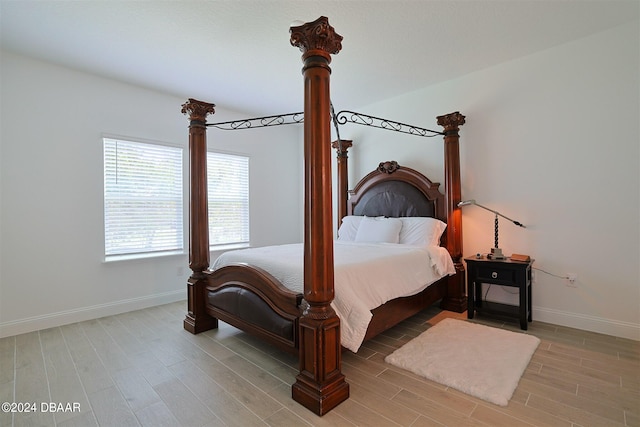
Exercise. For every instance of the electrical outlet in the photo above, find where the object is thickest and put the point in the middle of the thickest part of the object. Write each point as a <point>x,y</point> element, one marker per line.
<point>571,280</point>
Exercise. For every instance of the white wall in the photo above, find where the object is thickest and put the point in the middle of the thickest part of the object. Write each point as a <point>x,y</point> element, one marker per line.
<point>51,263</point>
<point>551,140</point>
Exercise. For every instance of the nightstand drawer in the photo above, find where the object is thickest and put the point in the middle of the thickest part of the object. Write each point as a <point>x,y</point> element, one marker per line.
<point>495,274</point>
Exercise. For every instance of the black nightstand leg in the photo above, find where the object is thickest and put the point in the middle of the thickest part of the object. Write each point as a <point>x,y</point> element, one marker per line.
<point>529,287</point>
<point>524,300</point>
<point>530,318</point>
<point>470,299</point>
<point>478,287</point>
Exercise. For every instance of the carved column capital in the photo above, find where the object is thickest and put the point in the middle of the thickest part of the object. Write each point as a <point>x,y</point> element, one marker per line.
<point>451,122</point>
<point>197,110</point>
<point>316,38</point>
<point>341,146</point>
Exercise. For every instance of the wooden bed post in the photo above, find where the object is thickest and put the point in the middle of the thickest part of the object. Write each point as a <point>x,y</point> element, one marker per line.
<point>456,299</point>
<point>341,146</point>
<point>197,320</point>
<point>320,386</point>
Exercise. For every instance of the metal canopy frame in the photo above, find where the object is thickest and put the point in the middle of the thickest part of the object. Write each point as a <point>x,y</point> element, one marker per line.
<point>341,118</point>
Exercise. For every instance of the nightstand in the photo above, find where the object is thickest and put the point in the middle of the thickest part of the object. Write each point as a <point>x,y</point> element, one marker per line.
<point>503,272</point>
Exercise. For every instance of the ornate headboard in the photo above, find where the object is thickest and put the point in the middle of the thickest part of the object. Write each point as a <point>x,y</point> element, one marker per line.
<point>396,191</point>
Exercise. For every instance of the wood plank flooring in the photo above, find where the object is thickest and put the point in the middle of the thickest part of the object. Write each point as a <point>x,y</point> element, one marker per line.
<point>142,369</point>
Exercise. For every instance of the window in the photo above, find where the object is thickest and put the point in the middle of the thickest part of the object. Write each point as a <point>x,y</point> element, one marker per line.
<point>143,205</point>
<point>228,186</point>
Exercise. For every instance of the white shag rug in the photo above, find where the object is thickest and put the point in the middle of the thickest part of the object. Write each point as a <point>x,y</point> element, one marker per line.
<point>479,360</point>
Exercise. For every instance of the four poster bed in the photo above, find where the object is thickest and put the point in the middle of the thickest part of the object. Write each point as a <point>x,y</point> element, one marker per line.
<point>246,291</point>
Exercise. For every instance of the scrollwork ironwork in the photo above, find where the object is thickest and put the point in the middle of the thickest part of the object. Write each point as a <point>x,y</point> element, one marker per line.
<point>341,118</point>
<point>346,116</point>
<point>260,122</point>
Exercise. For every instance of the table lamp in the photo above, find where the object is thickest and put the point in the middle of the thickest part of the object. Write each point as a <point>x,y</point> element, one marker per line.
<point>496,252</point>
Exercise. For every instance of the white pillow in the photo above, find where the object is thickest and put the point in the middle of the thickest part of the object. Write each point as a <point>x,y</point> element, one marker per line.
<point>423,231</point>
<point>379,230</point>
<point>349,227</point>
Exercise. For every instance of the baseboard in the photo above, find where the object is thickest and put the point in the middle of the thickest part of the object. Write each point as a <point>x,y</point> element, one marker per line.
<point>587,323</point>
<point>36,323</point>
<point>584,322</point>
<point>547,315</point>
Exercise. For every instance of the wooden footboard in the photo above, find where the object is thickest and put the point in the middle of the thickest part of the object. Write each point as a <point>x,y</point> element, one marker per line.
<point>250,299</point>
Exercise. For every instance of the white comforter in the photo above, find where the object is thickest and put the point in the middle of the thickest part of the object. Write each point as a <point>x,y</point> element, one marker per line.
<point>366,276</point>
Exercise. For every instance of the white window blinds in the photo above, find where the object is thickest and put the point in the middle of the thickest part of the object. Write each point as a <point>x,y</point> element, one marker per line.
<point>228,186</point>
<point>143,205</point>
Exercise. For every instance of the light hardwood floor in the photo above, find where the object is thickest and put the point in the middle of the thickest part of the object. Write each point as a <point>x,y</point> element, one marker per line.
<point>142,368</point>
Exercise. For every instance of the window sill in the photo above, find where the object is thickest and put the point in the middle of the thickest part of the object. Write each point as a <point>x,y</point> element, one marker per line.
<point>129,257</point>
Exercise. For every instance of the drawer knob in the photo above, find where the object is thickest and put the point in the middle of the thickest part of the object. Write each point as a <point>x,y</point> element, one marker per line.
<point>494,275</point>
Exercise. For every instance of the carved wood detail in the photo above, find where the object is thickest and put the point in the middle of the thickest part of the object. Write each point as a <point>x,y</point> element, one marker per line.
<point>317,37</point>
<point>388,167</point>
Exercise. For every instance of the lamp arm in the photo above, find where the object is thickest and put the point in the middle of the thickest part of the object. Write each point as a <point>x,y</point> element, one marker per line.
<point>519,224</point>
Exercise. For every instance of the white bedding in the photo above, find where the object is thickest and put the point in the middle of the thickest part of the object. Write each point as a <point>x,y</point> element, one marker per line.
<point>366,276</point>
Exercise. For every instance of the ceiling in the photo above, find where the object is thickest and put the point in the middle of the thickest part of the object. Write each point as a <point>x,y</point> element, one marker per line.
<point>237,54</point>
